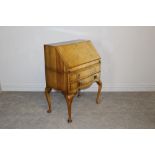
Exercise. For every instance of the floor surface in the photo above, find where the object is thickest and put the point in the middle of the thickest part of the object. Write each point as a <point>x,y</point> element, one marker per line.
<point>27,110</point>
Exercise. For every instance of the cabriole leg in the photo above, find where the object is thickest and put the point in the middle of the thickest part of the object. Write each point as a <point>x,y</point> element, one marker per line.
<point>69,99</point>
<point>48,97</point>
<point>79,93</point>
<point>99,91</point>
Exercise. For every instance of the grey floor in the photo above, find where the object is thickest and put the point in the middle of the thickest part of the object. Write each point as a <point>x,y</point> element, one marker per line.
<point>27,110</point>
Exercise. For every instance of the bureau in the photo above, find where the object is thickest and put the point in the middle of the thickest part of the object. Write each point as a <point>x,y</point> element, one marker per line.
<point>69,67</point>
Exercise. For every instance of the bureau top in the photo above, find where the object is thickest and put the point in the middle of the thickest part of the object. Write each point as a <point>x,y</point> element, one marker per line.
<point>66,42</point>
<point>73,53</point>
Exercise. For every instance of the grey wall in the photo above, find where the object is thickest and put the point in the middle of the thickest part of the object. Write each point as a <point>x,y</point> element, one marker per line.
<point>128,56</point>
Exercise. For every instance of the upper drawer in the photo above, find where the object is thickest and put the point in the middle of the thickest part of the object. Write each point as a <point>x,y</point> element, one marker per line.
<point>83,73</point>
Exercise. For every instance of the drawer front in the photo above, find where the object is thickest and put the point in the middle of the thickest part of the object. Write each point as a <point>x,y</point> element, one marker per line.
<point>84,83</point>
<point>84,73</point>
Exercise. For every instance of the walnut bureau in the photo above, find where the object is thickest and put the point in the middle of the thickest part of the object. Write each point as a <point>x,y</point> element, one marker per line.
<point>70,67</point>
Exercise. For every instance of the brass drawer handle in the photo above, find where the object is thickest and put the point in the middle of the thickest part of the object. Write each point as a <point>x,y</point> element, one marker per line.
<point>95,77</point>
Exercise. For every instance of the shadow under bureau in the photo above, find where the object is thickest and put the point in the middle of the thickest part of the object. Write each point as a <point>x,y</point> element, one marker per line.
<point>70,67</point>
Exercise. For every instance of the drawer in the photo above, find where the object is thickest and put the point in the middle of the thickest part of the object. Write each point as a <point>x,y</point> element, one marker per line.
<point>83,73</point>
<point>84,83</point>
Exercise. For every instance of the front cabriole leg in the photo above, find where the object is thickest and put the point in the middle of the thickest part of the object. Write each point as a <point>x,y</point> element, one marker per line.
<point>99,91</point>
<point>48,97</point>
<point>69,99</point>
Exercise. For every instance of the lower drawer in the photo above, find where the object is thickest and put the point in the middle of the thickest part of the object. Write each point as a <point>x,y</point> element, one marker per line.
<point>84,83</point>
<point>84,73</point>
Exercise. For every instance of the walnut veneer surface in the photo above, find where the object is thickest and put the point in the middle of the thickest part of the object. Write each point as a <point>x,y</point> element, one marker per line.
<point>70,67</point>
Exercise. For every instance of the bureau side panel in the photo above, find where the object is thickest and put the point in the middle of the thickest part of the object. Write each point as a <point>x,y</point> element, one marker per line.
<point>56,76</point>
<point>50,66</point>
<point>61,73</point>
